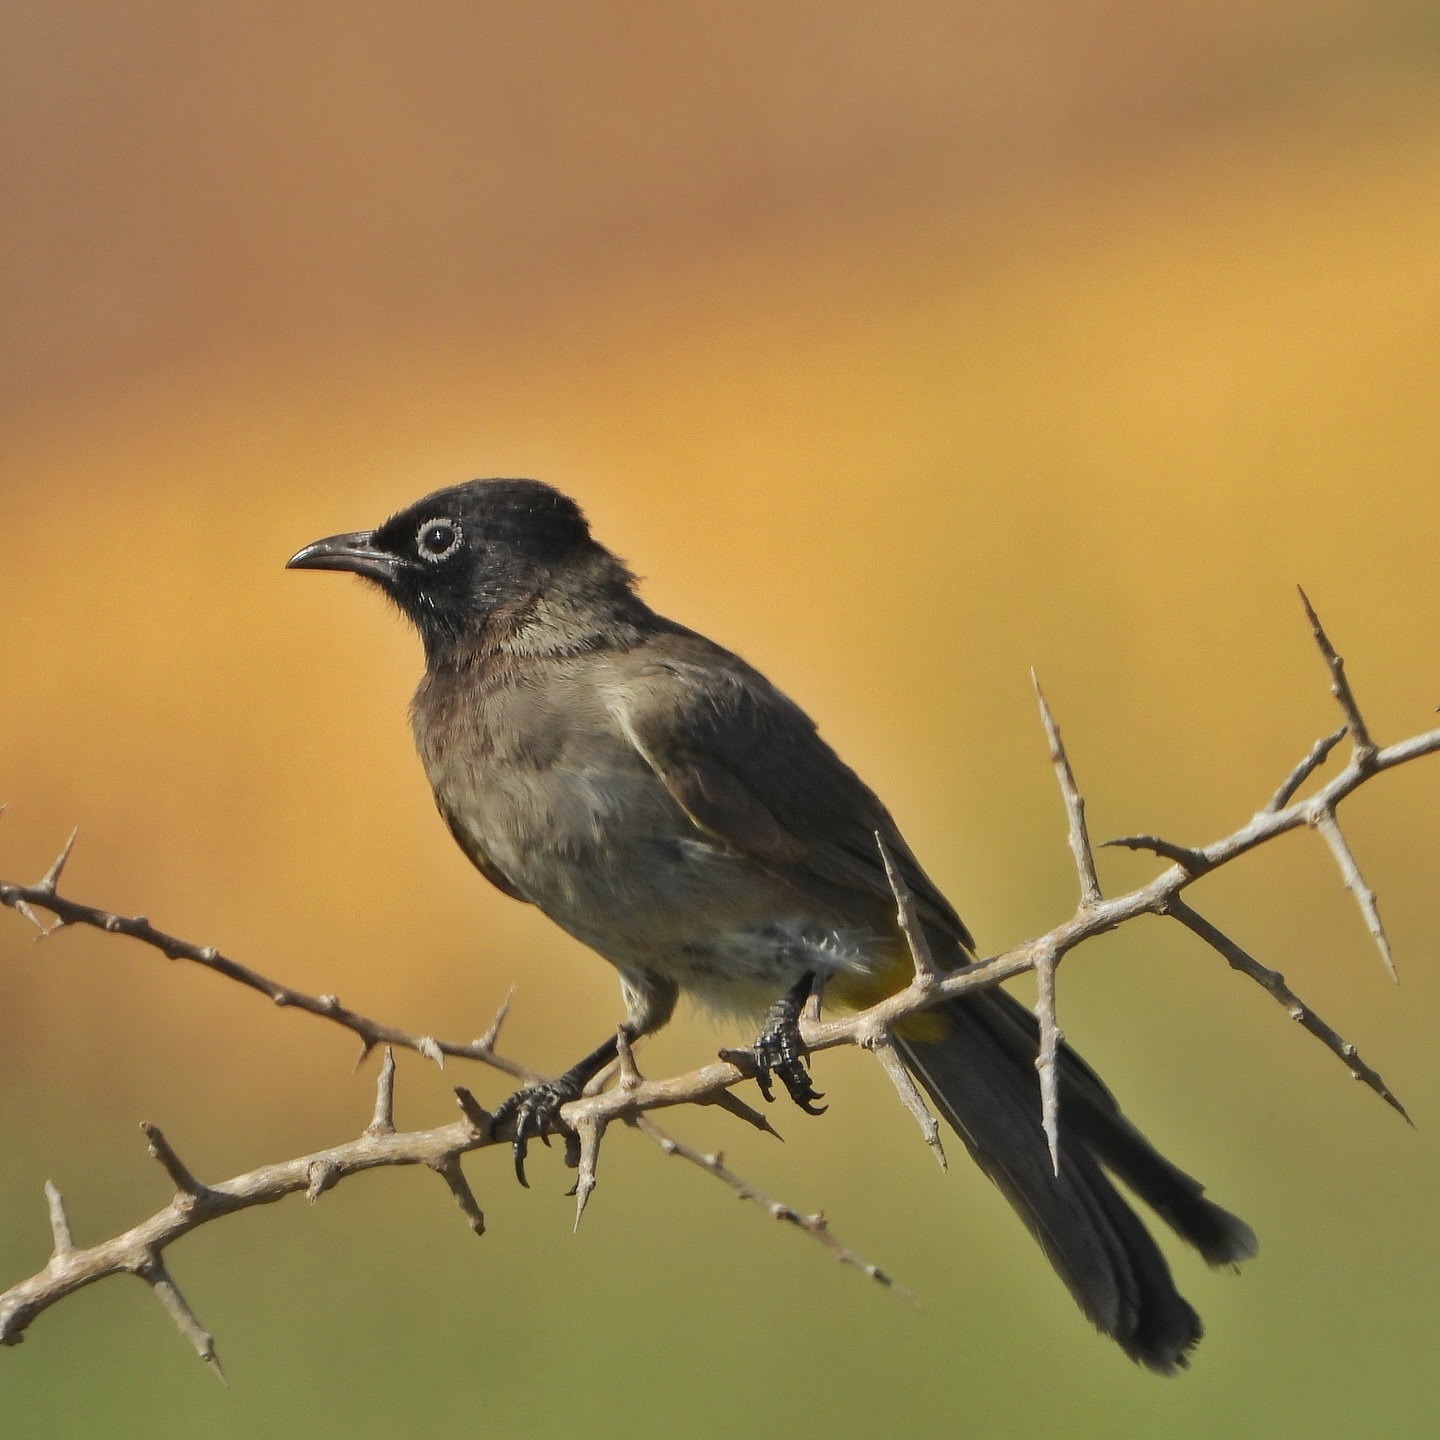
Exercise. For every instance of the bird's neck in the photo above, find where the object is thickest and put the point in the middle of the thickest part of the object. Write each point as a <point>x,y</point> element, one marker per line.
<point>584,607</point>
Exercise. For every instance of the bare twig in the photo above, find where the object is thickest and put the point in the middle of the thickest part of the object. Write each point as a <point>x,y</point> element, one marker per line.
<point>814,1225</point>
<point>1319,754</point>
<point>137,1251</point>
<point>1362,746</point>
<point>1191,861</point>
<point>23,899</point>
<point>1074,803</point>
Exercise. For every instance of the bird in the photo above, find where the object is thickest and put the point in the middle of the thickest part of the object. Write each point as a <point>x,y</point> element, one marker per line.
<point>668,806</point>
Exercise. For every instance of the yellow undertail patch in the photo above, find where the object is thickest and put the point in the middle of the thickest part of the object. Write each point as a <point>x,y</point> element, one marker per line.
<point>854,991</point>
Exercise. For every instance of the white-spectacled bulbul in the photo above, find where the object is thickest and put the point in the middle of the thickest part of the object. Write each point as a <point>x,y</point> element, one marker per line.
<point>665,804</point>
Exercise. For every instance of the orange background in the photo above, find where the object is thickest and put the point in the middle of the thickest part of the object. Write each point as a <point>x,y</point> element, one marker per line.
<point>899,347</point>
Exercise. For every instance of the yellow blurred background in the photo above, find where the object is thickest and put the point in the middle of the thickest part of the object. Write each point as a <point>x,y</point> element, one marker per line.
<point>900,347</point>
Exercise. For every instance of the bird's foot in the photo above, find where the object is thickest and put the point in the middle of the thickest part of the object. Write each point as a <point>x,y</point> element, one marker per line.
<point>535,1110</point>
<point>780,1050</point>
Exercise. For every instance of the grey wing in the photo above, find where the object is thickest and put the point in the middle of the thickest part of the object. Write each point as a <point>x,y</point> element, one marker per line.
<point>749,767</point>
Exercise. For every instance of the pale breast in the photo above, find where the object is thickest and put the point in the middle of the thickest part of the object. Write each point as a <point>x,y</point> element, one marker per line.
<point>548,796</point>
<point>537,780</point>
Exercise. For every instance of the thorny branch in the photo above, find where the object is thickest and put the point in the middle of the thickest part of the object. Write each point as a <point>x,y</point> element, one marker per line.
<point>629,1097</point>
<point>43,894</point>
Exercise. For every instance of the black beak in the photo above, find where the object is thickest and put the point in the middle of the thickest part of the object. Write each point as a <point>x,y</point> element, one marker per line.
<point>356,552</point>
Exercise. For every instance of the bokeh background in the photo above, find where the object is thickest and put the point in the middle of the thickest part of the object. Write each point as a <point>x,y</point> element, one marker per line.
<point>900,346</point>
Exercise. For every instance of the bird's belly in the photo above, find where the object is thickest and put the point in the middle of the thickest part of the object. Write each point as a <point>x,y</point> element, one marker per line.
<point>611,859</point>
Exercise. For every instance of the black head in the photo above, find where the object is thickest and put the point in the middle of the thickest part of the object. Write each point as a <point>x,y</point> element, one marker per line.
<point>467,554</point>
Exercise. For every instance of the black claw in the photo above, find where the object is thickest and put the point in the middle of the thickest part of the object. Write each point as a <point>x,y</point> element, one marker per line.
<point>535,1110</point>
<point>780,1051</point>
<point>518,1109</point>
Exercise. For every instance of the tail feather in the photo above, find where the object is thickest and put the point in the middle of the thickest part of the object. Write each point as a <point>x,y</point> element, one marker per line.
<point>1092,1114</point>
<point>982,1078</point>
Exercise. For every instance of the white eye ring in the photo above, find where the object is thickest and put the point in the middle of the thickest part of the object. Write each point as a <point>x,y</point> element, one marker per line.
<point>440,522</point>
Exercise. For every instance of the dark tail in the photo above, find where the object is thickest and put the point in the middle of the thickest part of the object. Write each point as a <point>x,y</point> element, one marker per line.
<point>982,1078</point>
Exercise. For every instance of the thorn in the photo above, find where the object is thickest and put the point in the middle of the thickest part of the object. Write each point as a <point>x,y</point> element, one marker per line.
<point>1329,828</point>
<point>1090,895</point>
<point>366,1046</point>
<point>157,1277</point>
<point>882,1047</point>
<point>383,1121</point>
<point>429,1047</point>
<point>630,1077</point>
<point>163,1151</point>
<point>1193,862</point>
<point>1273,983</point>
<point>22,907</point>
<point>926,973</point>
<point>450,1172</point>
<point>589,1132</point>
<point>1362,746</point>
<point>728,1101</point>
<point>742,1060</point>
<point>479,1117</point>
<point>59,1222</point>
<point>53,874</point>
<point>1319,753</point>
<point>1046,1060</point>
<point>487,1041</point>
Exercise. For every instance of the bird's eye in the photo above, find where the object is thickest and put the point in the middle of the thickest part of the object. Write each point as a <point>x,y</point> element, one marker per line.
<point>438,539</point>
